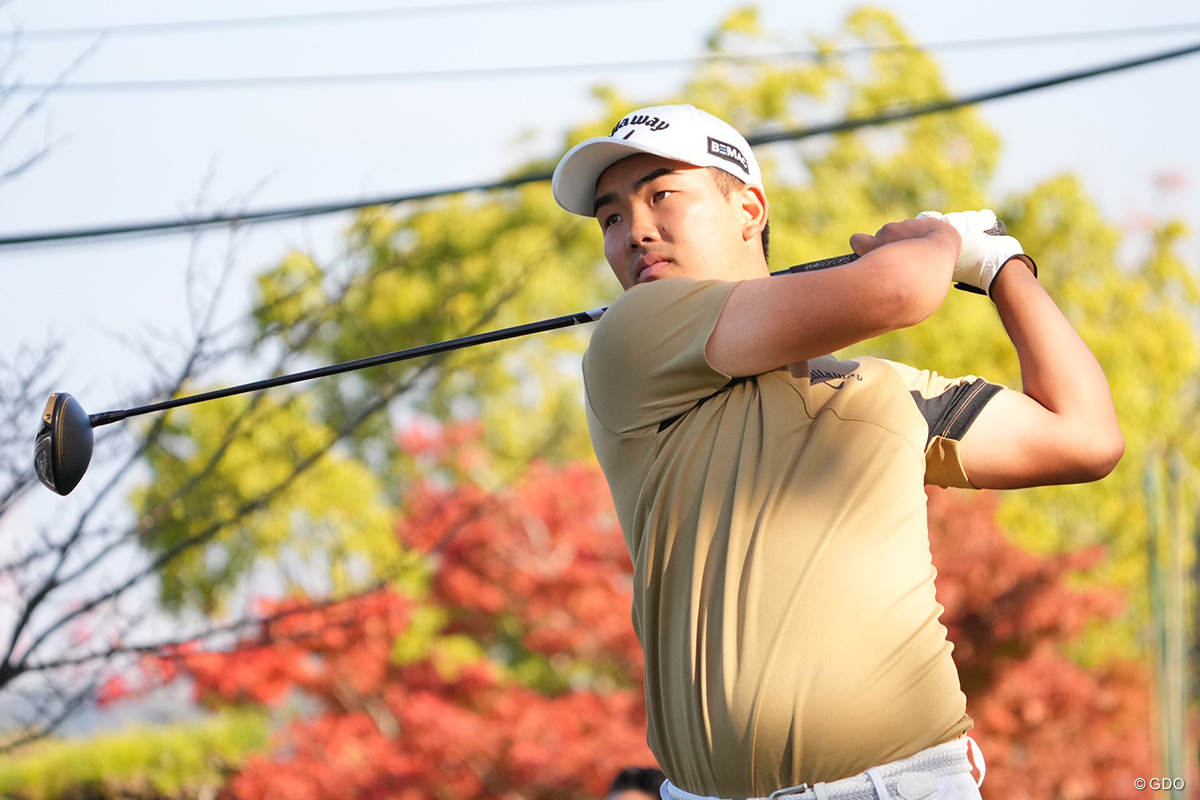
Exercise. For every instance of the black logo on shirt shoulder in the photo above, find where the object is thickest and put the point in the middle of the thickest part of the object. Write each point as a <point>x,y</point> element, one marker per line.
<point>835,380</point>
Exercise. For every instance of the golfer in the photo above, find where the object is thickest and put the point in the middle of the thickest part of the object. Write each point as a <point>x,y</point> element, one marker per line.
<point>772,494</point>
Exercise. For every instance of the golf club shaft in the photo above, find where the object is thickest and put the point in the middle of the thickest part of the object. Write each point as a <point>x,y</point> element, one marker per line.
<point>566,321</point>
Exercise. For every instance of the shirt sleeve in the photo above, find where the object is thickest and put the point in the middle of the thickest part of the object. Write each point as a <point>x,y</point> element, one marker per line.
<point>645,363</point>
<point>950,406</point>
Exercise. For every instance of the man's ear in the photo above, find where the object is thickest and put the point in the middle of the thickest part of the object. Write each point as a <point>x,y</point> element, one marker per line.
<point>754,211</point>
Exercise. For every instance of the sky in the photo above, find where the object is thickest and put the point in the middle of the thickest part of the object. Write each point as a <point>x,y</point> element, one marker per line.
<point>121,157</point>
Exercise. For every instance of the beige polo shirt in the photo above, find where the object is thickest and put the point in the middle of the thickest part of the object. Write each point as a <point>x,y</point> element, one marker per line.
<point>784,590</point>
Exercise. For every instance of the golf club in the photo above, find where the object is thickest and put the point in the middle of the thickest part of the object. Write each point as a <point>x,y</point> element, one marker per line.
<point>63,444</point>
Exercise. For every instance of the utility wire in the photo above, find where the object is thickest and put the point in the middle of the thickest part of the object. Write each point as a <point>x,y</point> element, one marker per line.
<point>297,212</point>
<point>354,15</point>
<point>315,17</point>
<point>495,73</point>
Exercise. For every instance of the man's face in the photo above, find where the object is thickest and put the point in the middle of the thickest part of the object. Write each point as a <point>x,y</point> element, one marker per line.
<point>663,218</point>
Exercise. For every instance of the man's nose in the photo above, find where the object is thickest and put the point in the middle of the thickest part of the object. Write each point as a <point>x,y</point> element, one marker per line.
<point>643,227</point>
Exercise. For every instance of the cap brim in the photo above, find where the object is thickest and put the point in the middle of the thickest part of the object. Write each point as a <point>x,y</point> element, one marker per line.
<point>574,183</point>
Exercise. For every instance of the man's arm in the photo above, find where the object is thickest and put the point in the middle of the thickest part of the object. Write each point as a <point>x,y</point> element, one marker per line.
<point>1062,428</point>
<point>901,279</point>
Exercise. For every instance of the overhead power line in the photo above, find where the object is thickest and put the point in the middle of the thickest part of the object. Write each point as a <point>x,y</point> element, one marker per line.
<point>426,74</point>
<point>370,14</point>
<point>297,212</point>
<point>310,18</point>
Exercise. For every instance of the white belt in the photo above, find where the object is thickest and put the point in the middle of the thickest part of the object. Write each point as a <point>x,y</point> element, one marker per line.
<point>876,783</point>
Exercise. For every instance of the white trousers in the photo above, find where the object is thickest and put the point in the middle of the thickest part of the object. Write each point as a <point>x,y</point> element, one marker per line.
<point>942,772</point>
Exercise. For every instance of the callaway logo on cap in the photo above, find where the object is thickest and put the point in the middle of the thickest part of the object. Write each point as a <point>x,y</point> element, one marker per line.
<point>681,133</point>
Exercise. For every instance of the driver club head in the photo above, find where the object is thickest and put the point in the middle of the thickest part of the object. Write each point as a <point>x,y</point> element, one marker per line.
<point>62,448</point>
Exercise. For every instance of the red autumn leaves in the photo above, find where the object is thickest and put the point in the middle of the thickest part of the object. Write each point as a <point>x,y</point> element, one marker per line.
<point>528,683</point>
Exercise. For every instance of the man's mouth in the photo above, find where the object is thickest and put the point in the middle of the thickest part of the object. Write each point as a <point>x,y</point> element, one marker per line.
<point>648,268</point>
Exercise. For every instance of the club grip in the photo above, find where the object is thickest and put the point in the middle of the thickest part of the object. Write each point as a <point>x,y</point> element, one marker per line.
<point>998,229</point>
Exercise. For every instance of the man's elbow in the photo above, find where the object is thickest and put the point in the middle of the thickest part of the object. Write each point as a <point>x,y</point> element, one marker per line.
<point>905,282</point>
<point>1100,456</point>
<point>914,301</point>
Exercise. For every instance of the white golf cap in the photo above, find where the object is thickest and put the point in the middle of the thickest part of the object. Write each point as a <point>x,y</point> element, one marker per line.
<point>681,133</point>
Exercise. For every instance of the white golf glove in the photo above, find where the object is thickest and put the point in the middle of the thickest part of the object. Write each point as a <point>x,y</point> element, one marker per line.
<point>985,249</point>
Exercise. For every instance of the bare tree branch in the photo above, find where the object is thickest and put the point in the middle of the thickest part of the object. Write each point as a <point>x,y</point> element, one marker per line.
<point>31,109</point>
<point>206,534</point>
<point>79,577</point>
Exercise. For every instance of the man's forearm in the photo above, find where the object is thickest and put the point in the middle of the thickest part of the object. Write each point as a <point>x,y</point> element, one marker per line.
<point>1058,370</point>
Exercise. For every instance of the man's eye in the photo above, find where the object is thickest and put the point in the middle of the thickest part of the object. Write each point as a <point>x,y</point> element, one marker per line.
<point>610,220</point>
<point>662,194</point>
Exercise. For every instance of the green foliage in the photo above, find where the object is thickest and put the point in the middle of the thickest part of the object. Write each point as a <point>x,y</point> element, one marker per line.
<point>206,505</point>
<point>180,761</point>
<point>743,20</point>
<point>521,665</point>
<point>1138,320</point>
<point>223,495</point>
<point>452,267</point>
<point>449,269</point>
<point>1138,317</point>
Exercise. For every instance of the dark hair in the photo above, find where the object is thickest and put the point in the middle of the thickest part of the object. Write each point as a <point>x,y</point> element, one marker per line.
<point>727,182</point>
<point>646,779</point>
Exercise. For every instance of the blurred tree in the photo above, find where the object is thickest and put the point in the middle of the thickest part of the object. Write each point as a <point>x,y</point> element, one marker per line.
<point>1130,315</point>
<point>309,475</point>
<point>1048,728</point>
<point>69,612</point>
<point>451,267</point>
<point>1133,306</point>
<point>73,586</point>
<point>507,667</point>
<point>150,762</point>
<point>455,266</point>
<point>297,492</point>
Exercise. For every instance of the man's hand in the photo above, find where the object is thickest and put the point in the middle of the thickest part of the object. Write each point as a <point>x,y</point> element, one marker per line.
<point>918,227</point>
<point>983,254</point>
